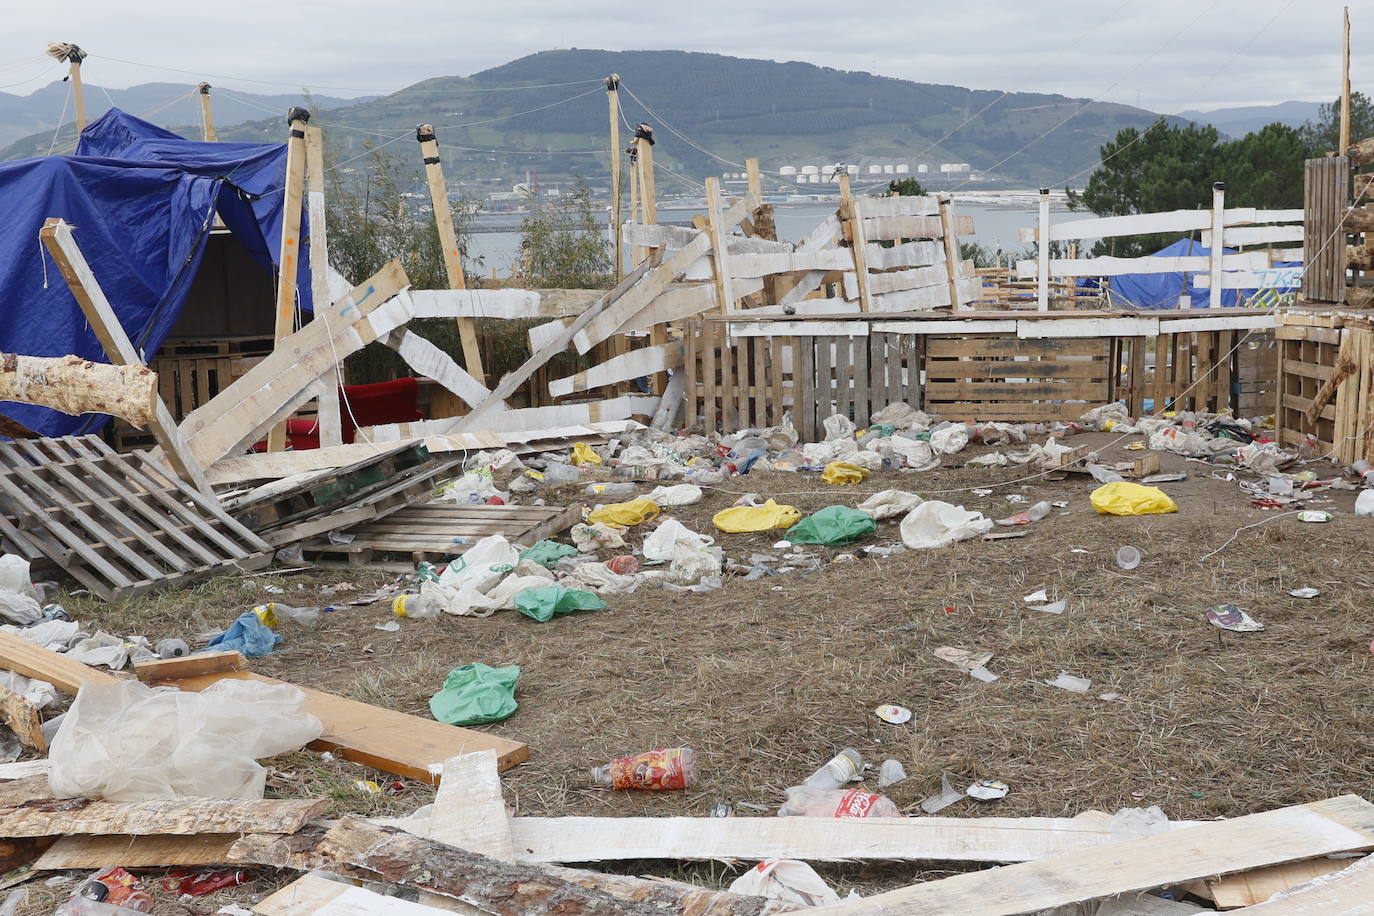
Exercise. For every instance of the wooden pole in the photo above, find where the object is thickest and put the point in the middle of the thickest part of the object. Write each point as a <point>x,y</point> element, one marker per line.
<point>73,55</point>
<point>448,239</point>
<point>207,121</point>
<point>854,230</point>
<point>75,386</point>
<point>751,167</point>
<point>288,251</point>
<point>613,99</point>
<point>725,299</point>
<point>648,202</point>
<point>1218,244</point>
<point>949,233</point>
<point>327,411</point>
<point>57,238</point>
<point>1345,88</point>
<point>1042,273</point>
<point>637,253</point>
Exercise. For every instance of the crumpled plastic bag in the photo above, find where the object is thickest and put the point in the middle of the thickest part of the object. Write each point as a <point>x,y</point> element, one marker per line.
<point>129,742</point>
<point>1126,498</point>
<point>482,565</point>
<point>582,454</point>
<point>787,880</point>
<point>838,426</point>
<point>1265,457</point>
<point>57,635</point>
<point>898,414</point>
<point>1106,417</point>
<point>600,578</point>
<point>939,524</point>
<point>247,635</point>
<point>949,440</point>
<point>831,526</point>
<point>781,437</point>
<point>915,453</point>
<point>842,472</point>
<point>473,487</point>
<point>501,459</point>
<point>19,609</point>
<point>991,459</point>
<point>40,693</point>
<point>18,600</point>
<point>547,553</point>
<point>111,651</point>
<point>590,538</point>
<point>739,519</point>
<point>887,503</point>
<point>543,603</point>
<point>669,537</point>
<point>865,458</point>
<point>682,494</point>
<point>690,556</point>
<point>626,514</point>
<point>476,694</point>
<point>822,453</point>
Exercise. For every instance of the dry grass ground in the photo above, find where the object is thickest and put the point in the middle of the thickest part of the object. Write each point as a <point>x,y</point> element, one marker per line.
<point>768,678</point>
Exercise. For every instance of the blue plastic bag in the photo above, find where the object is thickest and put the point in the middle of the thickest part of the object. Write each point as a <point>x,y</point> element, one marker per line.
<point>246,635</point>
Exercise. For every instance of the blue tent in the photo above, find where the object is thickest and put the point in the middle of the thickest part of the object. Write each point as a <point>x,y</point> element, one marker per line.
<point>1162,291</point>
<point>142,202</point>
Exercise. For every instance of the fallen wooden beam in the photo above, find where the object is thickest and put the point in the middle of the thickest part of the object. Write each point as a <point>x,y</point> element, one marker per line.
<point>23,657</point>
<point>1328,389</point>
<point>1252,887</point>
<point>75,386</point>
<point>185,816</point>
<point>1341,824</point>
<point>382,738</point>
<point>137,851</point>
<point>1343,893</point>
<point>164,669</point>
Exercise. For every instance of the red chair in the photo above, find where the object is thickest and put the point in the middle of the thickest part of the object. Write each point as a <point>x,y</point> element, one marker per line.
<point>360,405</point>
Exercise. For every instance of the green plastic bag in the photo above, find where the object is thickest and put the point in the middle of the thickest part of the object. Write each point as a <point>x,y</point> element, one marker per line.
<point>547,553</point>
<point>832,526</point>
<point>543,603</point>
<point>476,693</point>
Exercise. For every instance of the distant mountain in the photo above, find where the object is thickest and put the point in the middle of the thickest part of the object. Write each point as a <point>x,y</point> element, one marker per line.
<point>171,105</point>
<point>784,113</point>
<point>1237,122</point>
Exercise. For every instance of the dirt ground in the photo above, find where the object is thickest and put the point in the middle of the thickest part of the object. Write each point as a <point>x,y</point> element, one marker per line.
<point>768,678</point>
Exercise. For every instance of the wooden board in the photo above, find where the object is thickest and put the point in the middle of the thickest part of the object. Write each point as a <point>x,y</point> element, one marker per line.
<point>1004,378</point>
<point>1349,892</point>
<point>119,524</point>
<point>315,895</point>
<point>1251,887</point>
<point>164,669</point>
<point>468,809</point>
<point>387,740</point>
<point>814,839</point>
<point>446,530</point>
<point>1341,824</point>
<point>193,816</point>
<point>267,466</point>
<point>137,851</point>
<point>67,675</point>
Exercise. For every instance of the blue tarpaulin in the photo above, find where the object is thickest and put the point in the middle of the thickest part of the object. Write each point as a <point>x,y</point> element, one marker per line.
<point>141,201</point>
<point>1162,291</point>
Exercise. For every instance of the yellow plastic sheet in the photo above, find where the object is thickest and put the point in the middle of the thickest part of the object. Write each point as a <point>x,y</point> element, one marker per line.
<point>770,515</point>
<point>1125,498</point>
<point>625,514</point>
<point>582,454</point>
<point>843,472</point>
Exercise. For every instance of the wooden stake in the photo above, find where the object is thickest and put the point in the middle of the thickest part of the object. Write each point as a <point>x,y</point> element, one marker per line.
<point>648,202</point>
<point>73,55</point>
<point>950,234</point>
<point>854,229</point>
<point>613,99</point>
<point>755,179</point>
<point>207,121</point>
<point>1218,243</point>
<point>637,253</point>
<point>448,238</point>
<point>57,238</point>
<point>725,299</point>
<point>1345,88</point>
<point>288,251</point>
<point>327,411</point>
<point>1042,274</point>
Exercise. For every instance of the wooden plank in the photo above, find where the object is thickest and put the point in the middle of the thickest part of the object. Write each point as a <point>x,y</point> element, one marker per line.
<point>98,851</point>
<point>778,401</point>
<point>23,657</point>
<point>804,378</point>
<point>1019,369</point>
<point>164,669</point>
<point>762,265</point>
<point>825,382</point>
<point>431,362</point>
<point>468,809</point>
<point>627,366</point>
<point>191,816</point>
<point>1111,267</point>
<point>448,241</point>
<point>1095,391</point>
<point>1341,824</point>
<point>1343,893</point>
<point>983,347</point>
<point>1252,887</point>
<point>911,227</point>
<point>382,738</point>
<point>1021,411</point>
<point>315,895</point>
<point>725,351</point>
<point>711,337</point>
<point>289,245</point>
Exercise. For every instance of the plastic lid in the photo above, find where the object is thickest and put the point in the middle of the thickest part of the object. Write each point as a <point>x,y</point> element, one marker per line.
<point>1127,557</point>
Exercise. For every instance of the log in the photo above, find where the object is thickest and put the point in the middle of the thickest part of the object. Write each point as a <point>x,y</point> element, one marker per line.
<point>1361,153</point>
<point>56,816</point>
<point>1360,219</point>
<point>75,386</point>
<point>1359,257</point>
<point>358,848</point>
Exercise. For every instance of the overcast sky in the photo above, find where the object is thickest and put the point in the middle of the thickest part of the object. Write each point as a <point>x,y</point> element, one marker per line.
<point>1165,54</point>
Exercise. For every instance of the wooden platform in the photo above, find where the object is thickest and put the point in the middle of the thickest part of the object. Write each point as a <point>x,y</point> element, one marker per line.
<point>120,524</point>
<point>440,531</point>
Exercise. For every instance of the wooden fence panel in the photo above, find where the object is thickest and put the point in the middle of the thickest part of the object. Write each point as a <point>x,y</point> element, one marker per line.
<point>1326,194</point>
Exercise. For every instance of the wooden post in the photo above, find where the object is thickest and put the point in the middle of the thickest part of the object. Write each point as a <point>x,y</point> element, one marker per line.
<point>1344,143</point>
<point>207,122</point>
<point>57,238</point>
<point>725,299</point>
<point>751,167</point>
<point>648,202</point>
<point>636,253</point>
<point>854,230</point>
<point>949,233</point>
<point>73,55</point>
<point>288,252</point>
<point>1218,243</point>
<point>327,411</point>
<point>448,238</point>
<point>613,99</point>
<point>1042,273</point>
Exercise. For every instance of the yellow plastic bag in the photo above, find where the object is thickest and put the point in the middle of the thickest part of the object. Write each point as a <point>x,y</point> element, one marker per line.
<point>625,514</point>
<point>1125,498</point>
<point>770,515</point>
<point>582,454</point>
<point>843,472</point>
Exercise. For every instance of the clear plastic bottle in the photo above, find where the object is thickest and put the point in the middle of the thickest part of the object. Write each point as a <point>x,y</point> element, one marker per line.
<point>416,607</point>
<point>273,613</point>
<point>665,768</point>
<point>806,801</point>
<point>839,771</point>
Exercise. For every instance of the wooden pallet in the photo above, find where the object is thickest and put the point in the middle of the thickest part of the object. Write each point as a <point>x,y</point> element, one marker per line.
<point>1005,378</point>
<point>121,525</point>
<point>328,489</point>
<point>440,531</point>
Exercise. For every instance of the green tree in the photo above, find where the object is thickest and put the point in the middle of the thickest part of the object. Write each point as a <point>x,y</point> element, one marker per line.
<point>1323,135</point>
<point>1265,168</point>
<point>564,244</point>
<point>905,187</point>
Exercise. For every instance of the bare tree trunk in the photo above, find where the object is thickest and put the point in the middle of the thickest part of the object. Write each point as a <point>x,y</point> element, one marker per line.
<point>76,386</point>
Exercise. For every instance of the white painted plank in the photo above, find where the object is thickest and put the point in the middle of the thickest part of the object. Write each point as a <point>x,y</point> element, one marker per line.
<point>431,362</point>
<point>468,809</point>
<point>542,334</point>
<point>912,227</point>
<point>1086,327</point>
<point>315,895</point>
<point>896,206</point>
<point>1254,235</point>
<point>907,254</point>
<point>1267,278</point>
<point>894,281</point>
<point>761,265</point>
<point>1134,224</point>
<point>1112,267</point>
<point>796,328</point>
<point>805,307</point>
<point>626,366</point>
<point>1242,216</point>
<point>522,418</point>
<point>1219,323</point>
<point>681,301</point>
<point>503,303</point>
<point>676,237</point>
<point>941,327</point>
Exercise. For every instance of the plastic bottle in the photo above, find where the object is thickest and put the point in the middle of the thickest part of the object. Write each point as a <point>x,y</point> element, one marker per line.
<point>272,613</point>
<point>624,488</point>
<point>805,801</point>
<point>555,474</point>
<point>665,768</point>
<point>172,648</point>
<point>839,771</point>
<point>416,607</point>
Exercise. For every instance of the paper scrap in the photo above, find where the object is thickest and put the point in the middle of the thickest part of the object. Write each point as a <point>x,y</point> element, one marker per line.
<point>1067,681</point>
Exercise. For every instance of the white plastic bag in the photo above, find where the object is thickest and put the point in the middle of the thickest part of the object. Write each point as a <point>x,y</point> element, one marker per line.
<point>1364,503</point>
<point>949,440</point>
<point>838,426</point>
<point>590,538</point>
<point>599,578</point>
<point>914,452</point>
<point>868,460</point>
<point>939,524</point>
<point>667,539</point>
<point>20,609</point>
<point>887,503</point>
<point>787,880</point>
<point>129,742</point>
<point>15,576</point>
<point>482,565</point>
<point>682,494</point>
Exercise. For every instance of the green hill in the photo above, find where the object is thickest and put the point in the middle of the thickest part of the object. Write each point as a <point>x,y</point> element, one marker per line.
<point>784,113</point>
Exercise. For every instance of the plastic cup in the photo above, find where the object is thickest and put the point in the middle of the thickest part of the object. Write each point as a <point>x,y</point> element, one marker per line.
<point>1127,557</point>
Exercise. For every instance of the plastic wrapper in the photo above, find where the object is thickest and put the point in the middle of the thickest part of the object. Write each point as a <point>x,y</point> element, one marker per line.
<point>914,453</point>
<point>682,494</point>
<point>130,742</point>
<point>838,426</point>
<point>542,604</point>
<point>626,514</point>
<point>842,472</point>
<point>787,880</point>
<point>770,515</point>
<point>887,503</point>
<point>831,526</point>
<point>1126,498</point>
<point>939,524</point>
<point>950,439</point>
<point>476,694</point>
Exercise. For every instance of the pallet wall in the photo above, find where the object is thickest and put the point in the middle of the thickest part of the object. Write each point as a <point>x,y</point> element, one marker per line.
<point>999,377</point>
<point>1307,355</point>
